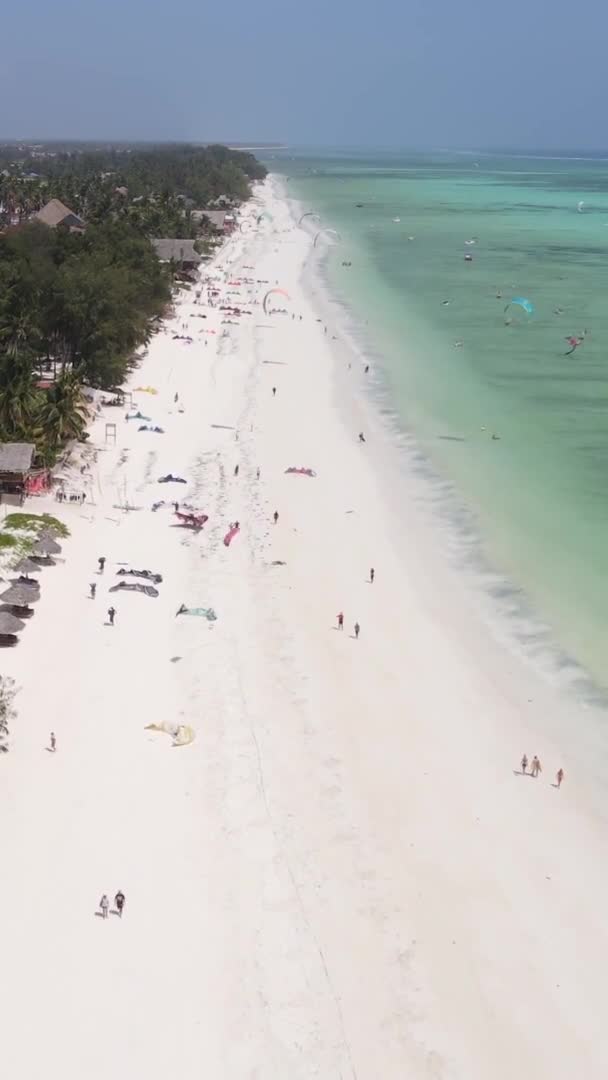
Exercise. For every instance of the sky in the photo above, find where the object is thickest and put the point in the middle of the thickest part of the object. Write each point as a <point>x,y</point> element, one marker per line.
<point>396,73</point>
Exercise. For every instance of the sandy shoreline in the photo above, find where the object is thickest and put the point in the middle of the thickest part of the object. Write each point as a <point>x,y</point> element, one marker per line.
<point>341,876</point>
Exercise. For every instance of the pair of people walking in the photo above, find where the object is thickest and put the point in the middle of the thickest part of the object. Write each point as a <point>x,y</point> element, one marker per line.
<point>340,618</point>
<point>119,902</point>
<point>535,767</point>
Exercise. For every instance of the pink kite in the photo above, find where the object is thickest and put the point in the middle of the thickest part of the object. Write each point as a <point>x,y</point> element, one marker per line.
<point>230,535</point>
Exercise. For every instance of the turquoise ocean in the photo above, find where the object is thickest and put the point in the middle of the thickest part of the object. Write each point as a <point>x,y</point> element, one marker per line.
<point>458,372</point>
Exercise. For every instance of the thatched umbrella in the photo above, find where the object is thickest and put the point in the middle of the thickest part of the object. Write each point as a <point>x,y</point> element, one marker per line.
<point>47,544</point>
<point>43,549</point>
<point>10,626</point>
<point>26,567</point>
<point>32,587</point>
<point>19,598</point>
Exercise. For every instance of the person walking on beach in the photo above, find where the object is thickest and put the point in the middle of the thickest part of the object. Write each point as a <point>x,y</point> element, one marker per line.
<point>236,470</point>
<point>524,764</point>
<point>536,766</point>
<point>52,742</point>
<point>357,630</point>
<point>257,474</point>
<point>340,618</point>
<point>274,391</point>
<point>372,575</point>
<point>119,900</point>
<point>111,615</point>
<point>559,778</point>
<point>176,398</point>
<point>102,563</point>
<point>361,437</point>
<point>93,590</point>
<point>104,904</point>
<point>276,516</point>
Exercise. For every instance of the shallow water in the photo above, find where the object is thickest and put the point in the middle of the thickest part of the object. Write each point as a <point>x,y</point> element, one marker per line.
<point>539,493</point>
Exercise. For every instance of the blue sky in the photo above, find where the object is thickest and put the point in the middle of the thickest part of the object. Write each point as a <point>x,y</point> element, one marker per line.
<point>401,73</point>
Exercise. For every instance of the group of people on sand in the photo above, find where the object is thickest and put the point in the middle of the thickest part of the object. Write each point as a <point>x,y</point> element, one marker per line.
<point>536,768</point>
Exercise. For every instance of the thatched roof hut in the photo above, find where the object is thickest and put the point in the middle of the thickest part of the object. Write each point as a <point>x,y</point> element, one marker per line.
<point>178,251</point>
<point>15,466</point>
<point>55,213</point>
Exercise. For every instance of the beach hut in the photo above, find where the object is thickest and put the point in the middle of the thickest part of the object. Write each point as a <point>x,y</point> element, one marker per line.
<point>15,467</point>
<point>10,626</point>
<point>17,598</point>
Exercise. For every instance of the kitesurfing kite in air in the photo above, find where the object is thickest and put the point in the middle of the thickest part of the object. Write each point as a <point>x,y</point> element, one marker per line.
<point>574,343</point>
<point>518,301</point>
<point>328,233</point>
<point>309,213</point>
<point>271,292</point>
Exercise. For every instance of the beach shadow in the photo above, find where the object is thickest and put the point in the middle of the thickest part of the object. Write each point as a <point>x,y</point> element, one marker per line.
<point>50,751</point>
<point>98,915</point>
<point>518,772</point>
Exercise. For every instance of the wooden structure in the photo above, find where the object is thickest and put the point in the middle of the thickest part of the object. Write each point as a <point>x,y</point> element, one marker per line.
<point>56,215</point>
<point>15,469</point>
<point>180,252</point>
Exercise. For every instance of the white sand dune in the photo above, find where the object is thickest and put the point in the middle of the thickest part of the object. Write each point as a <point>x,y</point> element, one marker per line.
<point>341,876</point>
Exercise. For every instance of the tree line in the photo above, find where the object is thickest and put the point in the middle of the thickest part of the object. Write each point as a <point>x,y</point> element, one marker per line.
<point>74,307</point>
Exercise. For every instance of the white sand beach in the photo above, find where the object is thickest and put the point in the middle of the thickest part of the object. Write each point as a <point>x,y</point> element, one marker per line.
<point>342,876</point>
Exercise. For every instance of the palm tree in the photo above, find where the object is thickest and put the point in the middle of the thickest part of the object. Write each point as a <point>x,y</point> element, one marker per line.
<point>64,414</point>
<point>19,399</point>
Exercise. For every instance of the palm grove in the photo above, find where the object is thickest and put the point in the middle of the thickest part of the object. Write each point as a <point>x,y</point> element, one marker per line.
<point>81,304</point>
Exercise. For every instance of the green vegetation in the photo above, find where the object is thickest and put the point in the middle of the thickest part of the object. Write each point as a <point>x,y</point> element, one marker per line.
<point>74,307</point>
<point>36,523</point>
<point>7,541</point>
<point>8,690</point>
